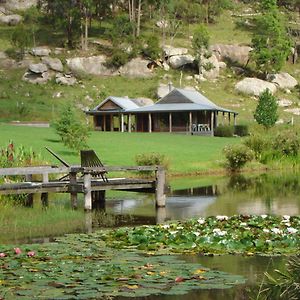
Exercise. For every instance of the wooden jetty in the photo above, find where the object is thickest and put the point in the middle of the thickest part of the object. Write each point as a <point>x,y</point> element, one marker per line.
<point>81,180</point>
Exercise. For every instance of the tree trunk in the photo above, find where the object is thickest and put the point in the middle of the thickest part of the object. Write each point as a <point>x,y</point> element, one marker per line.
<point>133,16</point>
<point>129,10</point>
<point>138,28</point>
<point>86,32</point>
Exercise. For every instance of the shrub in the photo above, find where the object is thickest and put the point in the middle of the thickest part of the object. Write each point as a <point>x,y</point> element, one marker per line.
<point>224,131</point>
<point>152,159</point>
<point>20,39</point>
<point>257,144</point>
<point>237,156</point>
<point>12,156</point>
<point>118,58</point>
<point>287,143</point>
<point>241,130</point>
<point>152,50</point>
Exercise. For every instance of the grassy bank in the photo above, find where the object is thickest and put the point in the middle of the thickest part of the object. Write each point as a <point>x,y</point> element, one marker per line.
<point>186,154</point>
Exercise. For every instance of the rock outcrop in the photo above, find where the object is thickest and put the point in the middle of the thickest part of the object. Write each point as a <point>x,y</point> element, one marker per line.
<point>54,64</point>
<point>210,67</point>
<point>40,51</point>
<point>235,53</point>
<point>137,67</point>
<point>93,65</point>
<point>65,79</point>
<point>283,80</point>
<point>171,51</point>
<point>37,78</point>
<point>254,86</point>
<point>10,20</point>
<point>178,61</point>
<point>19,4</point>
<point>38,68</point>
<point>284,102</point>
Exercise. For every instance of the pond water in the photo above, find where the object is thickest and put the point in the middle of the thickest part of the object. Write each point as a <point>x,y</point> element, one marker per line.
<point>197,197</point>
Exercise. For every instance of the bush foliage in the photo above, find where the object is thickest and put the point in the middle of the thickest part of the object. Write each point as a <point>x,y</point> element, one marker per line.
<point>224,131</point>
<point>152,159</point>
<point>237,156</point>
<point>241,130</point>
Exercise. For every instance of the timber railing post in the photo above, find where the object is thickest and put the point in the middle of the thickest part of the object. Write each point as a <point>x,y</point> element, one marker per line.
<point>29,200</point>
<point>160,196</point>
<point>44,196</point>
<point>73,182</point>
<point>87,191</point>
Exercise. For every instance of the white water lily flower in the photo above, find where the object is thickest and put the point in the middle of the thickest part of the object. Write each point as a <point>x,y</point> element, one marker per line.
<point>268,241</point>
<point>264,216</point>
<point>286,217</point>
<point>288,224</point>
<point>292,230</point>
<point>243,224</point>
<point>219,232</point>
<point>179,227</point>
<point>173,232</point>
<point>166,226</point>
<point>196,233</point>
<point>201,221</point>
<point>266,230</point>
<point>276,230</point>
<point>222,218</point>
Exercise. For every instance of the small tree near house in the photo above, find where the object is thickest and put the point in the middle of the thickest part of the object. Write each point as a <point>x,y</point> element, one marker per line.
<point>266,110</point>
<point>72,131</point>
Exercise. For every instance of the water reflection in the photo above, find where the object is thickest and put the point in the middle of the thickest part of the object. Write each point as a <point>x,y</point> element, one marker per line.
<point>263,194</point>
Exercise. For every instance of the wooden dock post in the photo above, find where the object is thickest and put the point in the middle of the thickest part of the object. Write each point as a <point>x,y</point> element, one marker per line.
<point>29,198</point>
<point>87,191</point>
<point>44,196</point>
<point>73,182</point>
<point>160,196</point>
<point>98,200</point>
<point>161,215</point>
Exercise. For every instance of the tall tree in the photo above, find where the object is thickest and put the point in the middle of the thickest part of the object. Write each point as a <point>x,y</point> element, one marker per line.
<point>270,42</point>
<point>67,16</point>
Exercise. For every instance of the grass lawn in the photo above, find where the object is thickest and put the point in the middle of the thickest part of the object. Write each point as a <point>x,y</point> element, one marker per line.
<point>186,154</point>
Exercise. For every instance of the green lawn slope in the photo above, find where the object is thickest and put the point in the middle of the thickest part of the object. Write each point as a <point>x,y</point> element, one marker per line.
<point>186,154</point>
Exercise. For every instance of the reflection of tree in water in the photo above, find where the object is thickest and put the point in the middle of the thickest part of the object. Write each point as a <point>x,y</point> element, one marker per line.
<point>266,185</point>
<point>239,182</point>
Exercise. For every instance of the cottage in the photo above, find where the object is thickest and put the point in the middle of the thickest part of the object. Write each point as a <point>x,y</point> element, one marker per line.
<point>181,110</point>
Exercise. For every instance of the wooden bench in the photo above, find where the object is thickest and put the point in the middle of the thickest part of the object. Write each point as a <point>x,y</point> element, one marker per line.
<point>90,159</point>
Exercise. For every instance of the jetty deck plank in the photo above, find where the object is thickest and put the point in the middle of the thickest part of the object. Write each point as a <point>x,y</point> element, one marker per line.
<point>64,186</point>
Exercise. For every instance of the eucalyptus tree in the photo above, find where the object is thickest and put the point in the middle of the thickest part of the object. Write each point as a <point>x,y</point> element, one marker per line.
<point>72,16</point>
<point>67,16</point>
<point>271,43</point>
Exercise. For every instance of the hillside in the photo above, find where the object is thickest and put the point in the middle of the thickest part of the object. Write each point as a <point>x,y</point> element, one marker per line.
<point>21,100</point>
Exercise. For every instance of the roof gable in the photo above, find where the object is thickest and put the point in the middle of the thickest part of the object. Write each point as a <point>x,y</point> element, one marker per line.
<point>175,96</point>
<point>186,96</point>
<point>116,103</point>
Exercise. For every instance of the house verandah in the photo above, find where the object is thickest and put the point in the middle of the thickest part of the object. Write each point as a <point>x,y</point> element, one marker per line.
<point>180,111</point>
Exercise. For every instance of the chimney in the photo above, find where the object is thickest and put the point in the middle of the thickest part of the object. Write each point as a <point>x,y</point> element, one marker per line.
<point>170,85</point>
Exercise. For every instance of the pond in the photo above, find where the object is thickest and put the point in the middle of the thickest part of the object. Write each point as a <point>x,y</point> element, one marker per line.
<point>187,198</point>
